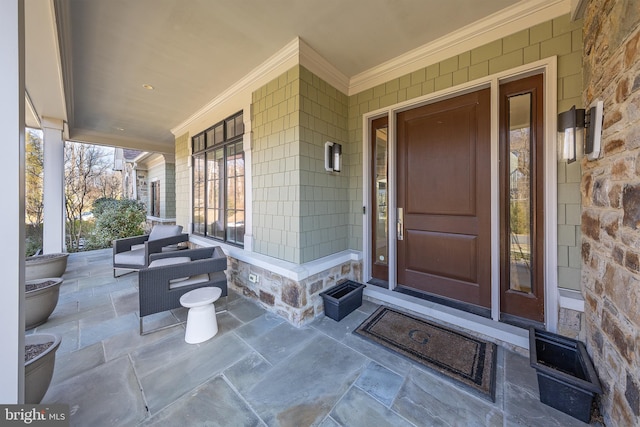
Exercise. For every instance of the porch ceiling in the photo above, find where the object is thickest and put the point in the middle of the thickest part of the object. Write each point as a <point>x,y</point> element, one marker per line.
<point>190,52</point>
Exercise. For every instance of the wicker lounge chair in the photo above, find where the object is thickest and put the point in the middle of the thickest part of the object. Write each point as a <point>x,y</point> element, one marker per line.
<point>172,274</point>
<point>132,253</point>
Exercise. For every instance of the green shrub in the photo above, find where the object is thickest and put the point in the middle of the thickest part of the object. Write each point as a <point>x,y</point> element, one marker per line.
<point>33,239</point>
<point>116,219</point>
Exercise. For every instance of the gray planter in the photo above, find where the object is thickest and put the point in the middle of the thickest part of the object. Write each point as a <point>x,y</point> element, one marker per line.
<point>41,266</point>
<point>40,303</point>
<point>39,370</point>
<point>567,379</point>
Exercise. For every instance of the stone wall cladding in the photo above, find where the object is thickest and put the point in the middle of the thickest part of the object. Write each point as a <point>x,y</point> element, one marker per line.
<point>556,37</point>
<point>298,302</point>
<point>610,212</point>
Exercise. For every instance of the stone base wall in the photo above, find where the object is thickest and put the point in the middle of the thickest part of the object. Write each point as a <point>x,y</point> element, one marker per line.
<point>298,302</point>
<point>611,207</point>
<point>570,324</point>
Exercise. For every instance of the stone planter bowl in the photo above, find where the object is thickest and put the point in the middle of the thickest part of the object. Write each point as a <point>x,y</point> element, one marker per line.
<point>39,370</point>
<point>40,303</point>
<point>41,266</point>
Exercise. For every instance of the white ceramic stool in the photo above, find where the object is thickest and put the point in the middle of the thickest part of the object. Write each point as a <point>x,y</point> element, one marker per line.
<point>201,318</point>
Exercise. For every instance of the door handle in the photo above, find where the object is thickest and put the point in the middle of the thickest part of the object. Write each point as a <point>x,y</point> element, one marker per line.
<point>400,224</point>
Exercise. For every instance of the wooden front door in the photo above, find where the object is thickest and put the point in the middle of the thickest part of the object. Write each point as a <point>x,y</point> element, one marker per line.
<point>444,199</point>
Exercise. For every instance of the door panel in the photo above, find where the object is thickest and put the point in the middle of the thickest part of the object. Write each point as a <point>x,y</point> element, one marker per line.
<point>443,254</point>
<point>444,191</point>
<point>521,195</point>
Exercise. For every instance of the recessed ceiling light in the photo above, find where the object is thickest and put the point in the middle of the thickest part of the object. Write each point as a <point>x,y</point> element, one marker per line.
<point>147,86</point>
<point>120,129</point>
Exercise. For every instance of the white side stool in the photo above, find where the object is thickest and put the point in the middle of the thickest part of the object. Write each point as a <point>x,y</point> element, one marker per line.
<point>201,318</point>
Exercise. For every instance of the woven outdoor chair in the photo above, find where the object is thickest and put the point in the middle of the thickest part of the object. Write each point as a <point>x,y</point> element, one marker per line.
<point>172,274</point>
<point>132,253</point>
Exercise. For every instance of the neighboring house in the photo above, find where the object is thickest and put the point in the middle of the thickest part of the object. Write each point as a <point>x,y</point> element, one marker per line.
<point>433,167</point>
<point>149,178</point>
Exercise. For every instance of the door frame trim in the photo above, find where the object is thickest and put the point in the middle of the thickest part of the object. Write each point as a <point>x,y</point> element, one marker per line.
<point>548,67</point>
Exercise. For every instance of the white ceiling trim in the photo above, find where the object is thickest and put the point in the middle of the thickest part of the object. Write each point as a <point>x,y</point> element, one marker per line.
<point>32,119</point>
<point>285,58</point>
<point>503,23</point>
<point>319,66</point>
<point>91,137</point>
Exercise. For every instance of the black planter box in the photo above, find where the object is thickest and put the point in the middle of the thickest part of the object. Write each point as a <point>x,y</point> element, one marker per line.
<point>567,380</point>
<point>342,299</point>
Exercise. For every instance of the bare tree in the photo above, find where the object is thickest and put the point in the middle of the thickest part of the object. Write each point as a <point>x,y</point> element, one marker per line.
<point>86,167</point>
<point>34,178</point>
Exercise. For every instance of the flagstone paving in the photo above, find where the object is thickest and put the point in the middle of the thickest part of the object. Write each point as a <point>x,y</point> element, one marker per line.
<point>259,370</point>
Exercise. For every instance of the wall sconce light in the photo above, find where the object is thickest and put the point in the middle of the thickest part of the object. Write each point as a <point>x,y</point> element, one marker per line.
<point>332,156</point>
<point>579,133</point>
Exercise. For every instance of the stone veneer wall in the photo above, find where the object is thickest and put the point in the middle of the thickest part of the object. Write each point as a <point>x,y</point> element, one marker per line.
<point>556,37</point>
<point>297,301</point>
<point>611,207</point>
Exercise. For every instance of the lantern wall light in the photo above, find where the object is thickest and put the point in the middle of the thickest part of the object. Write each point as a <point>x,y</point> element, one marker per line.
<point>580,132</point>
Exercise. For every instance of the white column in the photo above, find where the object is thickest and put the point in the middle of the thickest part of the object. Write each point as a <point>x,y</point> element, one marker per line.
<point>12,213</point>
<point>53,199</point>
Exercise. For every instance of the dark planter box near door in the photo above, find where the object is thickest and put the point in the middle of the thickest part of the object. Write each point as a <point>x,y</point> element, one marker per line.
<point>567,379</point>
<point>342,299</point>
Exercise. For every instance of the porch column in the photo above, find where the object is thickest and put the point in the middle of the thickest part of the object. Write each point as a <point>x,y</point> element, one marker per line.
<point>12,232</point>
<point>53,200</point>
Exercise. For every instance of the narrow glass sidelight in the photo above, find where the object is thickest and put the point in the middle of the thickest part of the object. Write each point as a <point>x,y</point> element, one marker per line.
<point>519,222</point>
<point>522,188</point>
<point>381,200</point>
<point>378,170</point>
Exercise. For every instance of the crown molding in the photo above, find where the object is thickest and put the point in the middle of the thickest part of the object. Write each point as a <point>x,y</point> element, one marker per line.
<point>314,62</point>
<point>281,61</point>
<point>503,23</point>
<point>523,14</point>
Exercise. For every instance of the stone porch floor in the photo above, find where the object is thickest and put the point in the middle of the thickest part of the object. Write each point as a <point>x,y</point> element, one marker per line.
<point>258,370</point>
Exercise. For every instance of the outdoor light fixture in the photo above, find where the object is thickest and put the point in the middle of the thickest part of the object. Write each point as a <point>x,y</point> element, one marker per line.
<point>332,156</point>
<point>579,133</point>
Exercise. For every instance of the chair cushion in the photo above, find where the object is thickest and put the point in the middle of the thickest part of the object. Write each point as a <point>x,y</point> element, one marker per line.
<point>135,257</point>
<point>187,281</point>
<point>171,261</point>
<point>162,231</point>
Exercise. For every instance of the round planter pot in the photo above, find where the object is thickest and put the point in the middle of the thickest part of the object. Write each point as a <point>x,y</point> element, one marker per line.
<point>39,370</point>
<point>41,266</point>
<point>40,303</point>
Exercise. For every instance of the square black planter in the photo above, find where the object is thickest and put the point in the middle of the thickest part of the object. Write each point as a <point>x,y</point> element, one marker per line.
<point>567,380</point>
<point>342,299</point>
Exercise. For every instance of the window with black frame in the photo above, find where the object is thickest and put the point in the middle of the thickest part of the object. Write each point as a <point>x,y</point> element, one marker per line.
<point>155,198</point>
<point>218,181</point>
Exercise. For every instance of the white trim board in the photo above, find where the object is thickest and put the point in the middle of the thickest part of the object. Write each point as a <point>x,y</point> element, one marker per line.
<point>496,330</point>
<point>286,269</point>
<point>524,14</point>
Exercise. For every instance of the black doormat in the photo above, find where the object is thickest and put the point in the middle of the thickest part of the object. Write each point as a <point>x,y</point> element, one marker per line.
<point>469,360</point>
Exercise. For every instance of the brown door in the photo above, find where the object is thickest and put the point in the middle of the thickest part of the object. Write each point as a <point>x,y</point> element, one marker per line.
<point>444,199</point>
<point>521,196</point>
<point>379,200</point>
